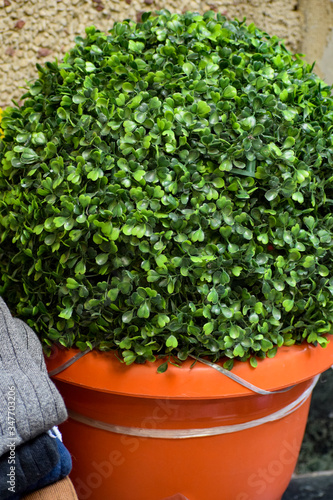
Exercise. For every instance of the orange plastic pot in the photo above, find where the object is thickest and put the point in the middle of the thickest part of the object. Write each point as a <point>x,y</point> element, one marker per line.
<point>137,434</point>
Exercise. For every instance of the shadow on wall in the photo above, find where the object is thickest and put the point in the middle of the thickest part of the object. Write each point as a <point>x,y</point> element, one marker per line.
<point>317,38</point>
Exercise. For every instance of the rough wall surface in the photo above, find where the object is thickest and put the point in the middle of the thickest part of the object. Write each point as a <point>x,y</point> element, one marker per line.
<point>39,30</point>
<point>317,38</point>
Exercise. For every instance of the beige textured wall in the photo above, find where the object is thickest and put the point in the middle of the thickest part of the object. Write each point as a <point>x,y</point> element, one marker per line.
<point>317,36</point>
<point>38,30</point>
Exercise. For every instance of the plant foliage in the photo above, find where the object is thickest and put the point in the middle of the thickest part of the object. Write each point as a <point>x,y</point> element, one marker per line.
<point>167,190</point>
<point>1,131</point>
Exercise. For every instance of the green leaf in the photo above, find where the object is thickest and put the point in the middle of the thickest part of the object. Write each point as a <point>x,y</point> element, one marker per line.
<point>50,239</point>
<point>127,317</point>
<point>90,67</point>
<point>289,142</point>
<point>139,174</point>
<point>227,312</point>
<point>144,310</point>
<point>113,294</point>
<point>266,345</point>
<point>310,222</point>
<point>161,260</point>
<point>271,194</point>
<point>218,182</point>
<point>298,197</point>
<point>289,114</point>
<point>238,351</point>
<point>309,261</point>
<point>60,221</point>
<point>253,362</point>
<point>136,46</point>
<point>230,92</point>
<point>129,357</point>
<point>66,313</point>
<point>72,284</point>
<point>162,368</point>
<point>248,123</point>
<point>171,341</point>
<point>203,108</point>
<point>323,270</point>
<point>226,165</point>
<point>80,267</point>
<point>213,296</point>
<point>62,114</point>
<point>288,304</point>
<point>127,87</point>
<point>259,308</point>
<point>36,88</point>
<point>78,99</point>
<point>236,271</point>
<point>208,328</point>
<point>258,130</point>
<point>102,258</point>
<point>188,68</point>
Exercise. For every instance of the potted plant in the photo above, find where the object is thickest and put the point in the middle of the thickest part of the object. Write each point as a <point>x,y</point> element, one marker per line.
<point>166,200</point>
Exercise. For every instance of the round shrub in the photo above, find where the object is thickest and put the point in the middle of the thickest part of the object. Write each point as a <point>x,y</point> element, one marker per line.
<point>166,190</point>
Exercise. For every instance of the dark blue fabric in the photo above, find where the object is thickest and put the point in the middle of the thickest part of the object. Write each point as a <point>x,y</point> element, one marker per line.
<point>30,462</point>
<point>59,471</point>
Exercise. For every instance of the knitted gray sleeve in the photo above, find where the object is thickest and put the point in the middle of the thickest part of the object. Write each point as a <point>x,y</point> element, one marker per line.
<point>30,404</point>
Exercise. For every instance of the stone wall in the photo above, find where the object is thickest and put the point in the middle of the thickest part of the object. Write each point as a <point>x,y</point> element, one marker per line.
<point>39,30</point>
<point>317,35</point>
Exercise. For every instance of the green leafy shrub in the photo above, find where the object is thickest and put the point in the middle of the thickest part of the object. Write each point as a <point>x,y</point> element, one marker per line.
<point>167,190</point>
<point>1,132</point>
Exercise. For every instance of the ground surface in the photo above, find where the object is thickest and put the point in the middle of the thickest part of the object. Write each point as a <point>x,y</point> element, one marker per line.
<point>310,488</point>
<point>317,449</point>
<point>314,471</point>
